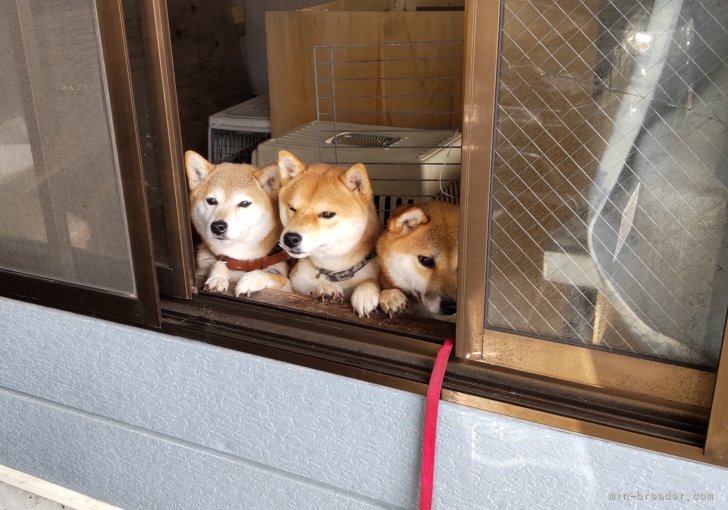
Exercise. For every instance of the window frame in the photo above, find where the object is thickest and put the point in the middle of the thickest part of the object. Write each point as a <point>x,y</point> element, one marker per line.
<point>144,307</point>
<point>177,280</point>
<point>716,441</point>
<point>668,383</point>
<point>397,359</point>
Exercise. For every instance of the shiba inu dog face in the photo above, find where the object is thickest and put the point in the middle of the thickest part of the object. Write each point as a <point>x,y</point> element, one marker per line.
<point>419,256</point>
<point>330,224</point>
<point>234,209</point>
<point>231,204</point>
<point>324,209</point>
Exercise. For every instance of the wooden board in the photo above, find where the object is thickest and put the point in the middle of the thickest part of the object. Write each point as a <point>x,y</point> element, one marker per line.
<point>387,5</point>
<point>357,5</point>
<point>406,323</point>
<point>292,36</point>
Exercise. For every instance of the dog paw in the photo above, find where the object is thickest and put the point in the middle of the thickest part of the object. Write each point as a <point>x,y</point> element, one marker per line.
<point>392,301</point>
<point>365,299</point>
<point>329,293</point>
<point>254,281</point>
<point>216,284</point>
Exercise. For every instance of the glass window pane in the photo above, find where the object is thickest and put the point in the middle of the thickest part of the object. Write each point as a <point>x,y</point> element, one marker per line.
<point>61,204</point>
<point>610,186</point>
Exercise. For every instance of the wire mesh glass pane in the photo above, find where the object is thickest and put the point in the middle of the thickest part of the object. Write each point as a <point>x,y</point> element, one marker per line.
<point>61,207</point>
<point>610,185</point>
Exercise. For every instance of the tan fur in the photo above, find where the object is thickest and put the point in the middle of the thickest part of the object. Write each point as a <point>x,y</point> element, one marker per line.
<point>429,230</point>
<point>335,243</point>
<point>251,231</point>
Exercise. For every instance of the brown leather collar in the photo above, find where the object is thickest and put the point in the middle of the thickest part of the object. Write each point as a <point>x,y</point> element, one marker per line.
<point>274,257</point>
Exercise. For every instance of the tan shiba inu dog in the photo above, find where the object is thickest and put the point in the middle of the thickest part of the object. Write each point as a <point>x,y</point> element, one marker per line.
<point>330,225</point>
<point>418,254</point>
<point>234,209</point>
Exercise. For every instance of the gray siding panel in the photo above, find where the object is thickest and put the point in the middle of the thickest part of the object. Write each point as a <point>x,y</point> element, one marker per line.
<point>145,420</point>
<point>305,422</point>
<point>138,470</point>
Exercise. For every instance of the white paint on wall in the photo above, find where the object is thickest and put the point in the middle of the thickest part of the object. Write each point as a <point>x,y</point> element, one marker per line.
<point>21,491</point>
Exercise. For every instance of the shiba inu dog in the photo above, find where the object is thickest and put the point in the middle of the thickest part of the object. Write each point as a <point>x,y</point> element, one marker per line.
<point>330,224</point>
<point>234,209</point>
<point>418,254</point>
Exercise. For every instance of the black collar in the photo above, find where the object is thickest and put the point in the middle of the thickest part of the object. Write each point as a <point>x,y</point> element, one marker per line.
<point>346,274</point>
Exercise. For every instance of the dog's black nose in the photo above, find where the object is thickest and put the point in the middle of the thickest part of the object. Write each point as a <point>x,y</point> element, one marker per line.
<point>448,306</point>
<point>218,227</point>
<point>291,239</point>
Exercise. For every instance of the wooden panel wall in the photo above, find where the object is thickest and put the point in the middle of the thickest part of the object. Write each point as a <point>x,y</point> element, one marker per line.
<point>387,5</point>
<point>292,36</point>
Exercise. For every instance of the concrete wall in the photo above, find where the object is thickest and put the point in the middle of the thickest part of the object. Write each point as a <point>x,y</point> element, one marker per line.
<point>144,420</point>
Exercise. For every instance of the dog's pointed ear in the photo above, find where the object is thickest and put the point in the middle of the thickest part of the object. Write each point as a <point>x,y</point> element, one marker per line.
<point>406,219</point>
<point>268,178</point>
<point>356,179</point>
<point>289,165</point>
<point>197,167</point>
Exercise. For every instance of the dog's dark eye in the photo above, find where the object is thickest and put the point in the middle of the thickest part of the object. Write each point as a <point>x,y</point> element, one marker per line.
<point>428,262</point>
<point>244,203</point>
<point>212,201</point>
<point>292,209</point>
<point>327,214</point>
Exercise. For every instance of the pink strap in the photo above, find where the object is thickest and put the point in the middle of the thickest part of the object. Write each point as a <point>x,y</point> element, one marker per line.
<point>430,435</point>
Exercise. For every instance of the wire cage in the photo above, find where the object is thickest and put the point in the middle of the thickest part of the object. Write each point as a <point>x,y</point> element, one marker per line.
<point>234,133</point>
<point>394,107</point>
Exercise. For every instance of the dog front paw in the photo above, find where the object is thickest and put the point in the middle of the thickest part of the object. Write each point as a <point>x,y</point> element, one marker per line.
<point>329,293</point>
<point>216,284</point>
<point>365,298</point>
<point>254,281</point>
<point>392,301</point>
